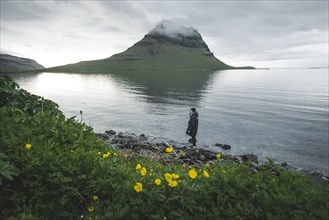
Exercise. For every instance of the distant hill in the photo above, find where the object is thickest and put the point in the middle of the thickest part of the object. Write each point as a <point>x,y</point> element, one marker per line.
<point>12,64</point>
<point>168,46</point>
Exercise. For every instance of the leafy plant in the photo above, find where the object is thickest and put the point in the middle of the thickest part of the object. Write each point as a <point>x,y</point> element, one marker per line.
<point>6,169</point>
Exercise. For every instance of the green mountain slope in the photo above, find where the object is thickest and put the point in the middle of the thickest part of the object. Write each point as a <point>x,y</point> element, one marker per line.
<point>167,47</point>
<point>11,64</point>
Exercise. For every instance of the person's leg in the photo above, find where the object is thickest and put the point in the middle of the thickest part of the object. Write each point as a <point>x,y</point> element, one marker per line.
<point>194,141</point>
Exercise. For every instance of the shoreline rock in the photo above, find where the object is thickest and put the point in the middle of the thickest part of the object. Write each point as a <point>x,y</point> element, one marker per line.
<point>154,147</point>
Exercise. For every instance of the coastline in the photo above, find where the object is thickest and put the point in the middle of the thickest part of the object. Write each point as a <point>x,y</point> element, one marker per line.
<point>155,147</point>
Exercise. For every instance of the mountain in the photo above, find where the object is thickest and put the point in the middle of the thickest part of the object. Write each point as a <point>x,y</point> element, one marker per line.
<point>168,46</point>
<point>11,64</point>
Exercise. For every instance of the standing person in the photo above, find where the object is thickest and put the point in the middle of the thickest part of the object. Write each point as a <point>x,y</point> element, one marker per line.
<point>193,123</point>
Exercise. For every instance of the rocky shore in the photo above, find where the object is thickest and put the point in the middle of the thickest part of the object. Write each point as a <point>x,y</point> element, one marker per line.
<point>157,148</point>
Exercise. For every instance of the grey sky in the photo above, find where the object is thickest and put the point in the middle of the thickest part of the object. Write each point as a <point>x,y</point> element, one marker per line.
<point>257,33</point>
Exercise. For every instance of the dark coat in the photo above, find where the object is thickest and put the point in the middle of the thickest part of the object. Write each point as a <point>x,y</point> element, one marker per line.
<point>193,123</point>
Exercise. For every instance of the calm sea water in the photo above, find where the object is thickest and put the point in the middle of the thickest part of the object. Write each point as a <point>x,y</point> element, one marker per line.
<point>278,113</point>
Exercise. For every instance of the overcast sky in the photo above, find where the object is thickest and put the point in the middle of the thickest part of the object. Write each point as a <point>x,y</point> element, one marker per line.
<point>258,33</point>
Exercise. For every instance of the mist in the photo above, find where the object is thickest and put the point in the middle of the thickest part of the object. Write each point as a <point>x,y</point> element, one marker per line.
<point>173,30</point>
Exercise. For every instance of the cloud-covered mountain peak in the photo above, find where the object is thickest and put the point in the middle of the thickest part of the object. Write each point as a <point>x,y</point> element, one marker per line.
<point>173,30</point>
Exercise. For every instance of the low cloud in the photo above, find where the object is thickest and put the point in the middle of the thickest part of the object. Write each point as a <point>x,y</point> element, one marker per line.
<point>173,30</point>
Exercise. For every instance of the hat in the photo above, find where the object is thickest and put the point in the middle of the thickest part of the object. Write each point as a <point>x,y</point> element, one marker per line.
<point>193,109</point>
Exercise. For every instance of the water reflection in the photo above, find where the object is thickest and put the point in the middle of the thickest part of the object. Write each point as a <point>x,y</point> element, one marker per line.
<point>172,87</point>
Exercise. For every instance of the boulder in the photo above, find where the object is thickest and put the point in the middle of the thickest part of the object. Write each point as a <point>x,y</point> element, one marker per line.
<point>223,146</point>
<point>202,158</point>
<point>208,154</point>
<point>121,135</point>
<point>250,157</point>
<point>103,136</point>
<point>230,157</point>
<point>111,132</point>
<point>226,147</point>
<point>193,154</point>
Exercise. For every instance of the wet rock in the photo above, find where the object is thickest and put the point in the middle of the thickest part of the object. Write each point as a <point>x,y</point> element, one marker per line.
<point>121,135</point>
<point>111,132</point>
<point>230,157</point>
<point>318,178</point>
<point>254,165</point>
<point>103,136</point>
<point>250,157</point>
<point>239,159</point>
<point>142,137</point>
<point>208,154</point>
<point>193,154</point>
<point>118,146</point>
<point>202,158</point>
<point>224,146</point>
<point>284,164</point>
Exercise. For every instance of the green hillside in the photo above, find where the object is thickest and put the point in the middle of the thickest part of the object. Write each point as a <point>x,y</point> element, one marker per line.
<point>13,64</point>
<point>158,50</point>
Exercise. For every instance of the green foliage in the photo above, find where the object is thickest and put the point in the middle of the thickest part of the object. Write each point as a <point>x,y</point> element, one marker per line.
<point>6,169</point>
<point>66,172</point>
<point>12,96</point>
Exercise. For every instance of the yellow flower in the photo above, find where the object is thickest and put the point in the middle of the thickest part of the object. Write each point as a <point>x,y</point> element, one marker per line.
<point>138,167</point>
<point>192,173</point>
<point>138,187</point>
<point>143,171</point>
<point>218,156</point>
<point>205,174</point>
<point>169,149</point>
<point>95,198</point>
<point>168,177</point>
<point>28,146</point>
<point>174,176</point>
<point>90,209</point>
<point>208,165</point>
<point>98,153</point>
<point>173,183</point>
<point>157,181</point>
<point>106,155</point>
